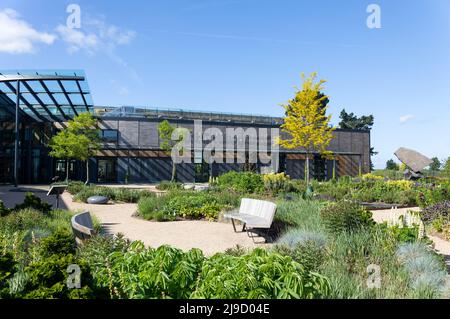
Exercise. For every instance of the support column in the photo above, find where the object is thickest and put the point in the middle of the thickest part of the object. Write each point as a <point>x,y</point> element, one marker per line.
<point>16,141</point>
<point>360,166</point>
<point>334,168</point>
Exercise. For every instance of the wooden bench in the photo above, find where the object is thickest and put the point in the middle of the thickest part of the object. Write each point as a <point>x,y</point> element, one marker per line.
<point>82,227</point>
<point>254,214</point>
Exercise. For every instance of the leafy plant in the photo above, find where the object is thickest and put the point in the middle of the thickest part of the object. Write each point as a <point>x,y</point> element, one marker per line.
<point>168,186</point>
<point>74,187</point>
<point>185,204</point>
<point>243,182</point>
<point>60,242</point>
<point>116,194</point>
<point>345,216</point>
<point>3,210</point>
<point>305,247</point>
<point>33,202</point>
<point>437,211</point>
<point>48,279</point>
<point>276,183</point>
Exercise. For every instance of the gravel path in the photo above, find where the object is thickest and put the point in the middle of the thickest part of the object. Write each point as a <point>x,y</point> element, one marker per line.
<point>210,237</point>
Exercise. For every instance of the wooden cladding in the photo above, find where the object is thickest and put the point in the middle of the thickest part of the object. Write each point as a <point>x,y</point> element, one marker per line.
<point>347,165</point>
<point>296,156</point>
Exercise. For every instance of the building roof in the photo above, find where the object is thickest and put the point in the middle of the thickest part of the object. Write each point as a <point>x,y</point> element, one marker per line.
<point>45,95</point>
<point>183,114</point>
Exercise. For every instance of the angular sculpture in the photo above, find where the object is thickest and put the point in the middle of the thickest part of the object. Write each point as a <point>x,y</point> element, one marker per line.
<point>415,161</point>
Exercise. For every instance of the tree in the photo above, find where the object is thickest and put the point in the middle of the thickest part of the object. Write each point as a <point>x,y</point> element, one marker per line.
<point>61,148</point>
<point>306,122</point>
<point>351,121</point>
<point>391,165</point>
<point>436,165</point>
<point>79,140</point>
<point>165,131</point>
<point>446,166</point>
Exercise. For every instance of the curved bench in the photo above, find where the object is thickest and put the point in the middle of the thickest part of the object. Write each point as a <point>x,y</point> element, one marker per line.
<point>254,214</point>
<point>82,227</point>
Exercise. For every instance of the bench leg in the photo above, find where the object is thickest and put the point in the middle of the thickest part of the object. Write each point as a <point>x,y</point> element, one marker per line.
<point>234,226</point>
<point>252,236</point>
<point>243,227</point>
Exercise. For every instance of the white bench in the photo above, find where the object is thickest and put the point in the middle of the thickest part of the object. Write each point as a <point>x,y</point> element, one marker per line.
<point>254,214</point>
<point>82,227</point>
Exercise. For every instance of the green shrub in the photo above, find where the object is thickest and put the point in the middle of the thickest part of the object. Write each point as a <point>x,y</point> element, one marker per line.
<point>90,191</point>
<point>33,202</point>
<point>7,267</point>
<point>115,194</point>
<point>74,187</point>
<point>3,210</point>
<point>307,254</point>
<point>305,247</point>
<point>185,204</point>
<point>127,195</point>
<point>243,182</point>
<point>61,242</point>
<point>169,186</point>
<point>151,208</point>
<point>404,234</point>
<point>167,272</point>
<point>22,220</point>
<point>333,189</point>
<point>349,255</point>
<point>429,196</point>
<point>48,279</point>
<point>299,213</point>
<point>97,249</point>
<point>345,216</point>
<point>259,274</point>
<point>237,251</point>
<point>426,272</point>
<point>277,183</point>
<point>298,186</point>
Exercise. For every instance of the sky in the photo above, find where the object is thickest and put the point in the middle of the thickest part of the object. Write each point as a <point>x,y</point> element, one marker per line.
<point>247,56</point>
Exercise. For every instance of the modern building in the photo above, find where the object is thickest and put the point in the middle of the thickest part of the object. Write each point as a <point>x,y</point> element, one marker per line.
<point>131,150</point>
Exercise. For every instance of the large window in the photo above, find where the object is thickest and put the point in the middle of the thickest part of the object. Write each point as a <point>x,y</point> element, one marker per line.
<point>107,170</point>
<point>110,136</point>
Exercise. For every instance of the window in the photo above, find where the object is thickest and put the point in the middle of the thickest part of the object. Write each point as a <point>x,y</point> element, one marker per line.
<point>110,136</point>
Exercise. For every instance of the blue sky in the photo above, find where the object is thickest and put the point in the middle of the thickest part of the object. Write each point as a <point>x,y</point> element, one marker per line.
<point>246,56</point>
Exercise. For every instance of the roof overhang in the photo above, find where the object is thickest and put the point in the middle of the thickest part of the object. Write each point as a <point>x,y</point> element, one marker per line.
<point>46,96</point>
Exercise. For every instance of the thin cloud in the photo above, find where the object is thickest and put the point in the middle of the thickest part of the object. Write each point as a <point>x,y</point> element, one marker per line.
<point>17,36</point>
<point>406,118</point>
<point>98,37</point>
<point>219,36</point>
<point>95,36</point>
<point>77,40</point>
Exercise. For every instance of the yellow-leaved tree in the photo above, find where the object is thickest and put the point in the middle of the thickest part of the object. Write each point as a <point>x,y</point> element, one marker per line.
<point>306,122</point>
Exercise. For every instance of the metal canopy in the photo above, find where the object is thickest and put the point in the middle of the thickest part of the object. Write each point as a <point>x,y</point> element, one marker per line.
<point>46,96</point>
